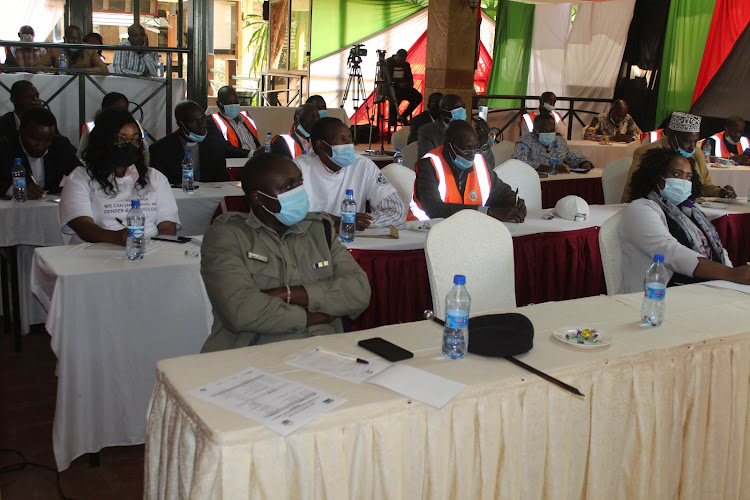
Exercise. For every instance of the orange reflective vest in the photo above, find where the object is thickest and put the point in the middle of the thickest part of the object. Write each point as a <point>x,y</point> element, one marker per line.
<point>720,149</point>
<point>228,132</point>
<point>294,148</point>
<point>531,116</point>
<point>477,190</point>
<point>652,136</point>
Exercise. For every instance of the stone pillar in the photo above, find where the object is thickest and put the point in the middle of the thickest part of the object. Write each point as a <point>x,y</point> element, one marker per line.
<point>451,45</point>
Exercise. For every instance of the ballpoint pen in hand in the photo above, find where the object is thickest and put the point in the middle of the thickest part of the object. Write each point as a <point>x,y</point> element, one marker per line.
<point>121,222</point>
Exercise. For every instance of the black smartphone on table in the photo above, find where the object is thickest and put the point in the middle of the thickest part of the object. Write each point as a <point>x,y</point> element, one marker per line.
<point>385,349</point>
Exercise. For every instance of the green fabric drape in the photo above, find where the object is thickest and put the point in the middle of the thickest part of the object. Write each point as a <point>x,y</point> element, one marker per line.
<point>685,39</point>
<point>510,68</point>
<point>338,23</point>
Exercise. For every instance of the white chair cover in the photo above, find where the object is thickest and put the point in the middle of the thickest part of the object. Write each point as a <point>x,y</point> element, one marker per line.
<point>411,155</point>
<point>403,180</point>
<point>609,246</point>
<point>399,138</point>
<point>519,175</point>
<point>480,248</point>
<point>502,151</point>
<point>614,177</point>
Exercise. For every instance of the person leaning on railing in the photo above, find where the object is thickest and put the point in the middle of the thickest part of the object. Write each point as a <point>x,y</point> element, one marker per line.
<point>77,58</point>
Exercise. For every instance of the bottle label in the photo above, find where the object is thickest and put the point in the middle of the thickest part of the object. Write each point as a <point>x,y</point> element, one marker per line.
<point>348,217</point>
<point>655,291</point>
<point>19,182</point>
<point>187,174</point>
<point>457,322</point>
<point>135,232</point>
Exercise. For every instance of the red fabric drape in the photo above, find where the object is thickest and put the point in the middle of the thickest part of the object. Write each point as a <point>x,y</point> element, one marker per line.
<point>730,19</point>
<point>733,230</point>
<point>588,189</point>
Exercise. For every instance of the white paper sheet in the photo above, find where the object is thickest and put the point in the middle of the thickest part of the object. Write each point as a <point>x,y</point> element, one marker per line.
<point>728,284</point>
<point>418,384</point>
<point>327,364</point>
<point>381,231</point>
<point>280,404</point>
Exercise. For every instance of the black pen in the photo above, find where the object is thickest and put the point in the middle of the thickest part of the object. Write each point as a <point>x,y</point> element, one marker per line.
<point>344,356</point>
<point>121,222</point>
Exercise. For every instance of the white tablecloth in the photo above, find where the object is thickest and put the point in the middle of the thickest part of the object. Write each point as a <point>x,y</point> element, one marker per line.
<point>197,208</point>
<point>277,119</point>
<point>737,177</point>
<point>65,105</point>
<point>665,415</point>
<point>595,173</point>
<point>602,155</point>
<point>110,321</point>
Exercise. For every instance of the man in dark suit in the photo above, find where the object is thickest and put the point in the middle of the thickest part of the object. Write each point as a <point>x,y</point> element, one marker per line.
<point>431,114</point>
<point>46,156</point>
<point>207,148</point>
<point>23,95</point>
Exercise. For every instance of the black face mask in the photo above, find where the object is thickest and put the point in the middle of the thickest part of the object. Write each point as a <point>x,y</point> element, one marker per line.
<point>124,155</point>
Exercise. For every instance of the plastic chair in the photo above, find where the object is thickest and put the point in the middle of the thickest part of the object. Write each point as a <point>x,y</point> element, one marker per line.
<point>519,175</point>
<point>231,204</point>
<point>502,151</point>
<point>403,180</point>
<point>480,248</point>
<point>609,246</point>
<point>614,177</point>
<point>399,138</point>
<point>411,155</point>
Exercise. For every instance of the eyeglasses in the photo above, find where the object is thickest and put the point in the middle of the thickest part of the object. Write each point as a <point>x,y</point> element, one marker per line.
<point>470,152</point>
<point>121,141</point>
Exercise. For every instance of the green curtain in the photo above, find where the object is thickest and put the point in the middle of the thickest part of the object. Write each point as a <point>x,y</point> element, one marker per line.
<point>338,23</point>
<point>684,41</point>
<point>510,67</point>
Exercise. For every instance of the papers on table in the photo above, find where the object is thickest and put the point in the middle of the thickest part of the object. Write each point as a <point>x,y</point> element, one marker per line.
<point>383,232</point>
<point>327,364</point>
<point>280,404</point>
<point>728,284</point>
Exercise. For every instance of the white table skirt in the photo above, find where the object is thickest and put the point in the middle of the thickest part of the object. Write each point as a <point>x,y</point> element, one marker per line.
<point>737,177</point>
<point>665,415</point>
<point>110,321</point>
<point>602,155</point>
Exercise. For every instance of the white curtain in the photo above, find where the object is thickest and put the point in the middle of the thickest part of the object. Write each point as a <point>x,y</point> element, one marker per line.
<point>551,28</point>
<point>42,15</point>
<point>594,52</point>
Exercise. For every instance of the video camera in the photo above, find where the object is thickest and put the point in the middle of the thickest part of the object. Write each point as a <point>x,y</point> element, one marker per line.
<point>356,53</point>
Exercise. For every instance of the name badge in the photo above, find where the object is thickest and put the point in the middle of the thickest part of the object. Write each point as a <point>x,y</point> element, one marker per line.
<point>318,265</point>
<point>255,256</point>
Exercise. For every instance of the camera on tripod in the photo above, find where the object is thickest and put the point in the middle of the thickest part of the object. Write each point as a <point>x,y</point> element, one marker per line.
<point>356,53</point>
<point>381,54</point>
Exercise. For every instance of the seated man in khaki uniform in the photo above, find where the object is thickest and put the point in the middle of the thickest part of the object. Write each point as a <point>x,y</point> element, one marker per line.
<point>681,136</point>
<point>279,272</point>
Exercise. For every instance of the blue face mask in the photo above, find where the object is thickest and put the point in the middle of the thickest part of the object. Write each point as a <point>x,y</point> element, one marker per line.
<point>191,136</point>
<point>546,138</point>
<point>294,205</point>
<point>322,113</point>
<point>462,163</point>
<point>677,190</point>
<point>458,114</point>
<point>301,130</point>
<point>343,154</point>
<point>232,110</point>
<point>686,154</point>
<point>548,106</point>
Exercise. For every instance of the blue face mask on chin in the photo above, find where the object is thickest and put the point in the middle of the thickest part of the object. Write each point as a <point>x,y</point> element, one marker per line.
<point>462,163</point>
<point>301,130</point>
<point>190,135</point>
<point>458,114</point>
<point>343,154</point>
<point>686,154</point>
<point>677,190</point>
<point>546,138</point>
<point>294,205</point>
<point>232,110</point>
<point>322,113</point>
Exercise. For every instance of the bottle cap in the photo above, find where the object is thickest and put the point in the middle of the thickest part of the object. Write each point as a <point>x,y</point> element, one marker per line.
<point>459,279</point>
<point>350,192</point>
<point>187,154</point>
<point>135,203</point>
<point>658,258</point>
<point>398,150</point>
<point>18,160</point>
<point>523,148</point>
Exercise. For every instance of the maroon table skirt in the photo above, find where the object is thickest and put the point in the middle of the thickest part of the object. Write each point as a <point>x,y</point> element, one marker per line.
<point>234,173</point>
<point>590,189</point>
<point>734,231</point>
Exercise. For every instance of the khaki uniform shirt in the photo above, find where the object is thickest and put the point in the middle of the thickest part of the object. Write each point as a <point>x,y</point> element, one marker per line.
<point>709,189</point>
<point>88,59</point>
<point>240,256</point>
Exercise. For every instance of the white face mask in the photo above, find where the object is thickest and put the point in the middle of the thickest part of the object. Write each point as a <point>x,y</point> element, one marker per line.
<point>27,37</point>
<point>730,140</point>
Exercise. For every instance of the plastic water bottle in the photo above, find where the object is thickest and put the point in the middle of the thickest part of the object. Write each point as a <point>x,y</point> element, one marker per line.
<point>19,181</point>
<point>398,158</point>
<point>136,245</point>
<point>554,161</point>
<point>348,217</point>
<point>145,140</point>
<point>706,149</point>
<point>268,142</point>
<point>523,155</point>
<point>160,68</point>
<point>63,63</point>
<point>652,309</point>
<point>456,331</point>
<point>187,174</point>
<point>491,137</point>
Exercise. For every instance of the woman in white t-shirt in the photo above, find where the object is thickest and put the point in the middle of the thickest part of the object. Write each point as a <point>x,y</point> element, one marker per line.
<point>97,197</point>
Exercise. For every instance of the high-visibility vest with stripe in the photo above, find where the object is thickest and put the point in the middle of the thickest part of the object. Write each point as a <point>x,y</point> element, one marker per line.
<point>294,148</point>
<point>652,136</point>
<point>720,149</point>
<point>87,125</point>
<point>531,116</point>
<point>476,192</point>
<point>228,132</point>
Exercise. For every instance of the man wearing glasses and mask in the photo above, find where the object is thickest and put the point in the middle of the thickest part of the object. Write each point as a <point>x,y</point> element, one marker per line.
<point>543,144</point>
<point>455,176</point>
